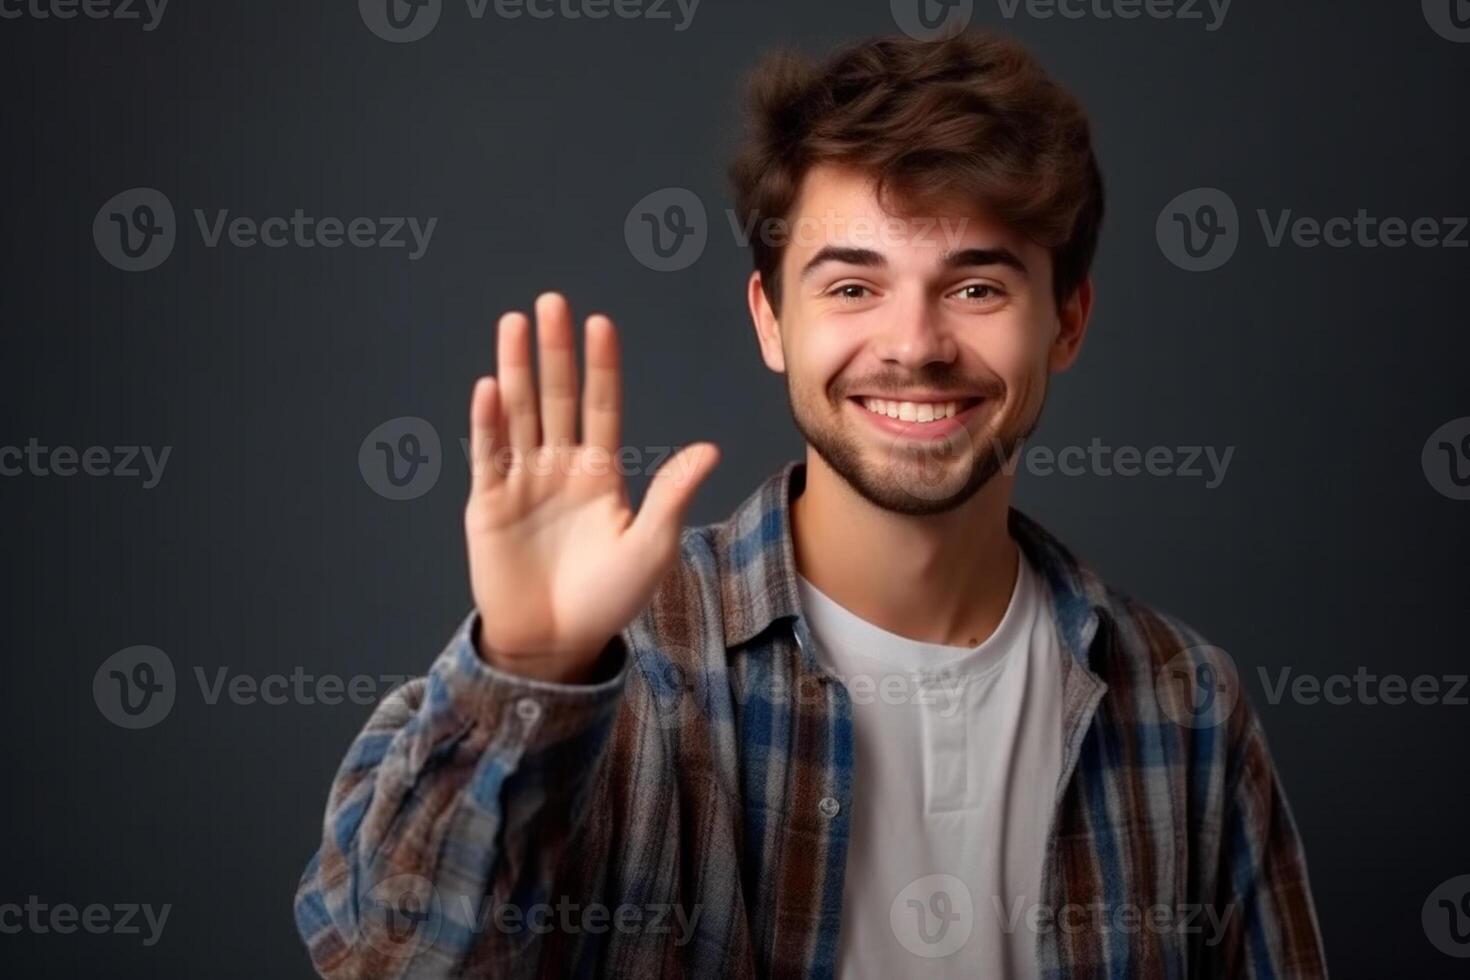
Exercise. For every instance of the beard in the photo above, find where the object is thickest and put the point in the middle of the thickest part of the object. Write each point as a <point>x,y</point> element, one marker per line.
<point>916,477</point>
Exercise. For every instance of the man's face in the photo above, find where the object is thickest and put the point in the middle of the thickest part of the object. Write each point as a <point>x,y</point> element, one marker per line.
<point>917,349</point>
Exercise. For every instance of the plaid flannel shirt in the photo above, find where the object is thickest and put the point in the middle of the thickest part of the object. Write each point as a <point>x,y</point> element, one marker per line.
<point>690,815</point>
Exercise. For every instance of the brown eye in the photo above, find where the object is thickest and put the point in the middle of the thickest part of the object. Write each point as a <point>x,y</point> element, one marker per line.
<point>979,291</point>
<point>850,291</point>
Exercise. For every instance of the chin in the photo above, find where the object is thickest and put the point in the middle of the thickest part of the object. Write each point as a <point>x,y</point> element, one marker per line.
<point>915,481</point>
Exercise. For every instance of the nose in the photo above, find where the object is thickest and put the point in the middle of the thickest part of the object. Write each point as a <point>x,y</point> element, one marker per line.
<point>914,335</point>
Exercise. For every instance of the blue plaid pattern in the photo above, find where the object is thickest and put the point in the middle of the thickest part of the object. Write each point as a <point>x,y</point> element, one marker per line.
<point>689,815</point>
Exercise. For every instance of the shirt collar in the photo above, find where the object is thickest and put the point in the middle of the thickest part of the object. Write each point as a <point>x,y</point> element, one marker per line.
<point>757,567</point>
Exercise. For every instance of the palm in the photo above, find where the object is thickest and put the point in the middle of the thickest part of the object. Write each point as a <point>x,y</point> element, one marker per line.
<point>559,562</point>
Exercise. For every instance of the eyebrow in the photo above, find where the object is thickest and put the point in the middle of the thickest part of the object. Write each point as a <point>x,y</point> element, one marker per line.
<point>964,258</point>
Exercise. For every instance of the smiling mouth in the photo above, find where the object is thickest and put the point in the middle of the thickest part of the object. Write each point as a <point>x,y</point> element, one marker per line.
<point>916,411</point>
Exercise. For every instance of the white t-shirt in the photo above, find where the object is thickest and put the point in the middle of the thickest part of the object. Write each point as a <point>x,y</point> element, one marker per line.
<point>958,752</point>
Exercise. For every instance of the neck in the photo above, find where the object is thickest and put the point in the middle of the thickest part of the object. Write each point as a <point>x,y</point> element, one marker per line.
<point>941,578</point>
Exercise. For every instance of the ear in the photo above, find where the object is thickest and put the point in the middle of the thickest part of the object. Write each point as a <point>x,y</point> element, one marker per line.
<point>1074,315</point>
<point>767,327</point>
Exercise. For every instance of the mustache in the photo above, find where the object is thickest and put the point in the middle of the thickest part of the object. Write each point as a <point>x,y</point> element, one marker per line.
<point>941,381</point>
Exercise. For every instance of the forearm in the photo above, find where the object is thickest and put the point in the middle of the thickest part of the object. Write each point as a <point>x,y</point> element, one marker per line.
<point>464,786</point>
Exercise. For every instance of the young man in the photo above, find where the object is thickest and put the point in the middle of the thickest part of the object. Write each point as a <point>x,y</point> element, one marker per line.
<point>877,723</point>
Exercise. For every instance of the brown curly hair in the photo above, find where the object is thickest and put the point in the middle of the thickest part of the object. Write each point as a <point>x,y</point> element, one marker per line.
<point>972,116</point>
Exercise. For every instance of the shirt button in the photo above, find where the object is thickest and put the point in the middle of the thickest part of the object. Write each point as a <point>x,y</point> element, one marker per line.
<point>829,807</point>
<point>528,710</point>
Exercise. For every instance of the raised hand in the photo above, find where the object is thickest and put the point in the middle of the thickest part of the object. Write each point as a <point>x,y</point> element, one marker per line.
<point>559,563</point>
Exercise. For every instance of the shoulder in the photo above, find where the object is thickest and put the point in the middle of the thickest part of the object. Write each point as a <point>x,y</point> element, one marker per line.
<point>1167,684</point>
<point>1164,675</point>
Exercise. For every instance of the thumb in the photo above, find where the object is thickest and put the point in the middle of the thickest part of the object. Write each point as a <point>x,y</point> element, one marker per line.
<point>672,490</point>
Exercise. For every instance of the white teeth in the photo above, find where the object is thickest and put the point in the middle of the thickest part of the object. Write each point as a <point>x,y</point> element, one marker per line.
<point>911,411</point>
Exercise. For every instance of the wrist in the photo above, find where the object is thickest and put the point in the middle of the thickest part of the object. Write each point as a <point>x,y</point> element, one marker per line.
<point>582,667</point>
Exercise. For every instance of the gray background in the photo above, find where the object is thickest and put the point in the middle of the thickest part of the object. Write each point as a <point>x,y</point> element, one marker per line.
<point>264,548</point>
